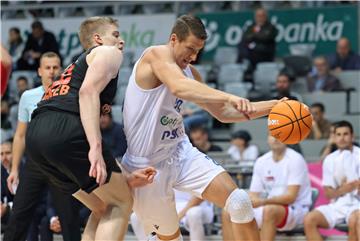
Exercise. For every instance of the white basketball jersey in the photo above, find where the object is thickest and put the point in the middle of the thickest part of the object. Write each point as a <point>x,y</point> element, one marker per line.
<point>153,123</point>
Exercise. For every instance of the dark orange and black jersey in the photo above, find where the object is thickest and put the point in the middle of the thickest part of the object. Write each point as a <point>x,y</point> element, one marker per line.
<point>63,94</point>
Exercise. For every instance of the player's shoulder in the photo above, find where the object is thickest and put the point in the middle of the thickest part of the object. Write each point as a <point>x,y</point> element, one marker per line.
<point>157,52</point>
<point>331,157</point>
<point>294,154</point>
<point>110,51</point>
<point>32,92</point>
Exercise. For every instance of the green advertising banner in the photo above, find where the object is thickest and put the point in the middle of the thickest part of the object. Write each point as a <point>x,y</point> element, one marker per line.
<point>317,28</point>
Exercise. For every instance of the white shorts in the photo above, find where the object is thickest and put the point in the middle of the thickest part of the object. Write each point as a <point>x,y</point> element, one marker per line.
<point>191,171</point>
<point>295,216</point>
<point>334,214</point>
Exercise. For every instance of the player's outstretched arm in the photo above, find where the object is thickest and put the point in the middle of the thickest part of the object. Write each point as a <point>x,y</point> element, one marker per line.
<point>168,72</point>
<point>228,114</point>
<point>104,63</point>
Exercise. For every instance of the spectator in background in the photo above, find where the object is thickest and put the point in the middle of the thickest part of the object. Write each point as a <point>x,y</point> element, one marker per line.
<point>341,182</point>
<point>283,88</point>
<point>6,130</point>
<point>22,84</point>
<point>258,42</point>
<point>38,42</point>
<point>113,135</point>
<point>193,213</point>
<point>199,137</point>
<point>280,191</point>
<point>322,79</point>
<point>320,126</point>
<point>193,115</point>
<point>15,45</point>
<point>241,149</point>
<point>344,58</point>
<point>50,223</point>
<point>6,196</point>
<point>330,145</point>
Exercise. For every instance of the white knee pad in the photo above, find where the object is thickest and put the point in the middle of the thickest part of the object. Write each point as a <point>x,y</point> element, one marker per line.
<point>239,206</point>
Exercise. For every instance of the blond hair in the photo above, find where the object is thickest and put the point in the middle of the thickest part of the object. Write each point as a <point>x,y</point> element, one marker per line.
<point>93,25</point>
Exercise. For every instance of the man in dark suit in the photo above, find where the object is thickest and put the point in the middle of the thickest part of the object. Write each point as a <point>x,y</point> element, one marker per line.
<point>38,42</point>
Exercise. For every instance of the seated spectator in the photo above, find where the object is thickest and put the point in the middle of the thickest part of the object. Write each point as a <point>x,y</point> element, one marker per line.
<point>15,45</point>
<point>322,79</point>
<point>38,42</point>
<point>341,182</point>
<point>280,191</point>
<point>22,84</point>
<point>6,130</point>
<point>283,88</point>
<point>258,42</point>
<point>344,58</point>
<point>241,149</point>
<point>199,137</point>
<point>320,126</point>
<point>330,145</point>
<point>6,196</point>
<point>50,223</point>
<point>113,135</point>
<point>193,214</point>
<point>193,115</point>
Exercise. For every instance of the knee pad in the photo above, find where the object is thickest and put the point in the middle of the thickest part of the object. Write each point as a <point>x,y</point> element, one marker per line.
<point>239,206</point>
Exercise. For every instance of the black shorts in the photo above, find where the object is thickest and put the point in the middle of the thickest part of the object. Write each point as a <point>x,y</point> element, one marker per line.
<point>56,142</point>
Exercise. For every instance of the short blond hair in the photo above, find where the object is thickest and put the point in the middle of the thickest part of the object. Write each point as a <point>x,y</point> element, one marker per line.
<point>49,55</point>
<point>93,25</point>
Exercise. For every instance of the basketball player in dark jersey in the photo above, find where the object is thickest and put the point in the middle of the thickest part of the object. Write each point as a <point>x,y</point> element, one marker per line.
<point>63,140</point>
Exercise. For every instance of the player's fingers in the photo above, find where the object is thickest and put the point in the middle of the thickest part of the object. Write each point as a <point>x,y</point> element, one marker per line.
<point>98,173</point>
<point>104,176</point>
<point>9,184</point>
<point>91,170</point>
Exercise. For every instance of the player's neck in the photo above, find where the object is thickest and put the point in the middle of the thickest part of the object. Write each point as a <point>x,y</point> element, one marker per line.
<point>278,156</point>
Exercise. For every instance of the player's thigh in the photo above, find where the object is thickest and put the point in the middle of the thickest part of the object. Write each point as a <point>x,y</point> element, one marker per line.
<point>219,189</point>
<point>154,203</point>
<point>204,178</point>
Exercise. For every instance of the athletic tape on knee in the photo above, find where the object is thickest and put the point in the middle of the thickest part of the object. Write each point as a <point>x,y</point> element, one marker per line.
<point>239,206</point>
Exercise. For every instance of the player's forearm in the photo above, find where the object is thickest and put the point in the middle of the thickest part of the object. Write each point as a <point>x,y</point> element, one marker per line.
<point>197,92</point>
<point>285,199</point>
<point>18,150</point>
<point>263,108</point>
<point>89,102</point>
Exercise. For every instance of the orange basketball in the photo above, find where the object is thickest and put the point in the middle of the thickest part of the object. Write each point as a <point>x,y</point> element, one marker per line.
<point>290,121</point>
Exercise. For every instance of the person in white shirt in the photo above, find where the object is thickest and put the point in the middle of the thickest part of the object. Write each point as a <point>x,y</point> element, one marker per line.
<point>280,190</point>
<point>193,213</point>
<point>341,182</point>
<point>241,149</point>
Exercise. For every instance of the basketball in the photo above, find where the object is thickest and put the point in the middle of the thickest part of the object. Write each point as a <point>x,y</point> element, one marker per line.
<point>290,121</point>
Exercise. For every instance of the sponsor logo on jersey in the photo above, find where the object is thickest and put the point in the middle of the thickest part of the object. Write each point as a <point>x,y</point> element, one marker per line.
<point>165,120</point>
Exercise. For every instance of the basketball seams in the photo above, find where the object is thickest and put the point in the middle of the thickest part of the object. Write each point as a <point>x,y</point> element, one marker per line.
<point>295,117</point>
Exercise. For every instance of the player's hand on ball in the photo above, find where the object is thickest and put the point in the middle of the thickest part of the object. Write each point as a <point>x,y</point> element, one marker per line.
<point>141,177</point>
<point>242,105</point>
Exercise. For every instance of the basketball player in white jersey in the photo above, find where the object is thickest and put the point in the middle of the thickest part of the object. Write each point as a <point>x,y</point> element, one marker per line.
<point>162,79</point>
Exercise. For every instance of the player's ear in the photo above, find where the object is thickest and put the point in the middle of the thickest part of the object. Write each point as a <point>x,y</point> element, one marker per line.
<point>173,38</point>
<point>97,39</point>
